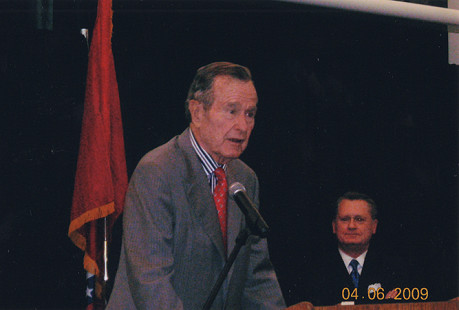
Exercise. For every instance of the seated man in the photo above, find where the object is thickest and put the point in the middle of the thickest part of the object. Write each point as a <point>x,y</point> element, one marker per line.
<point>353,271</point>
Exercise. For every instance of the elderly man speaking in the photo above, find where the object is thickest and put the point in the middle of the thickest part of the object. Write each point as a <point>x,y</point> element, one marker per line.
<point>179,225</point>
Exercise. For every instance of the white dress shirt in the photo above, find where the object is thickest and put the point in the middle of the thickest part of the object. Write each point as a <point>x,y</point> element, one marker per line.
<point>347,261</point>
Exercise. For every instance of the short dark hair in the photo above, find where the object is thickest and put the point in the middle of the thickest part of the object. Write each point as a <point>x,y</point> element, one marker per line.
<point>358,196</point>
<point>201,87</point>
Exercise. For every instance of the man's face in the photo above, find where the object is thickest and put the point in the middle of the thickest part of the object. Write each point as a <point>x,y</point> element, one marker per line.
<point>223,130</point>
<point>353,224</point>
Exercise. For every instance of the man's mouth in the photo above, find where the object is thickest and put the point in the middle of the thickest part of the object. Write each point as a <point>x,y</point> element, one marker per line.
<point>235,140</point>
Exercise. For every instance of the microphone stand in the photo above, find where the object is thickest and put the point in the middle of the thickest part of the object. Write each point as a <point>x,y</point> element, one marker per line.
<point>240,241</point>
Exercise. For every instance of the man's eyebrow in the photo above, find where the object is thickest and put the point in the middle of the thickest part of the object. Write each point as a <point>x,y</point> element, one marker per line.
<point>233,104</point>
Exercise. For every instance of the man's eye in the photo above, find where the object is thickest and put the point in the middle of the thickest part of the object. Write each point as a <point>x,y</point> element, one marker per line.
<point>251,114</point>
<point>359,219</point>
<point>232,110</point>
<point>345,219</point>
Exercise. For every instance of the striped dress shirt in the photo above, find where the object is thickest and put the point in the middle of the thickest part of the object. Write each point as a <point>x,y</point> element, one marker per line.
<point>208,163</point>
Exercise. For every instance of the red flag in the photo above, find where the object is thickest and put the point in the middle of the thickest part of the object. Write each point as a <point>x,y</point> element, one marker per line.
<point>101,176</point>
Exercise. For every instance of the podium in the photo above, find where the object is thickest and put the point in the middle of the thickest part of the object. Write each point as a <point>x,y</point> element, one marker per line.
<point>441,305</point>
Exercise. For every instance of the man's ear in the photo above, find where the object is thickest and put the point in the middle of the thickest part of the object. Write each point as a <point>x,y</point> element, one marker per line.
<point>196,108</point>
<point>375,225</point>
<point>334,226</point>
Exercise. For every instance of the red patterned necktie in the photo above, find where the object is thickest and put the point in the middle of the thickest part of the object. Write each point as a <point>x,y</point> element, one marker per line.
<point>220,195</point>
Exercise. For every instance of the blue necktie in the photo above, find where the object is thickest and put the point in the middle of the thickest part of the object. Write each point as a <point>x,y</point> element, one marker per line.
<point>355,273</point>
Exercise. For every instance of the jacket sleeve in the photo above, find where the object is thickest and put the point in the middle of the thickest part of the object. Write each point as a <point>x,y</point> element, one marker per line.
<point>148,222</point>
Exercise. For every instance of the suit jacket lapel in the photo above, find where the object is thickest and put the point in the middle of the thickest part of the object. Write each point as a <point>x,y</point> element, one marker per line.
<point>342,270</point>
<point>234,214</point>
<point>199,193</point>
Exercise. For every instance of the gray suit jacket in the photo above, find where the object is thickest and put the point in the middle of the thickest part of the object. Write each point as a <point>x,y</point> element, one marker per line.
<point>172,250</point>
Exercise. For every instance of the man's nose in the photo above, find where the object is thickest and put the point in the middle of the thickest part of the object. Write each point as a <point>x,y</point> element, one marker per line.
<point>241,122</point>
<point>352,224</point>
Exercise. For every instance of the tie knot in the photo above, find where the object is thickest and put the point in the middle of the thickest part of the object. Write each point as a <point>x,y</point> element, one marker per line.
<point>354,263</point>
<point>220,174</point>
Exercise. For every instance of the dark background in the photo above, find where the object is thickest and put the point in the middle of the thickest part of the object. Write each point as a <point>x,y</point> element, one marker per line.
<point>347,101</point>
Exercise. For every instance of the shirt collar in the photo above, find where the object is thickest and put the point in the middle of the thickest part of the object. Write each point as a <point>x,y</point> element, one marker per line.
<point>347,260</point>
<point>207,162</point>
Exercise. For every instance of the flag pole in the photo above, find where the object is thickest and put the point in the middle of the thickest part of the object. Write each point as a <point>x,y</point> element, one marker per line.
<point>85,33</point>
<point>105,254</point>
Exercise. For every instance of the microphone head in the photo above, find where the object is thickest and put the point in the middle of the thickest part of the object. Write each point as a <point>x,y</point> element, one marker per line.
<point>236,187</point>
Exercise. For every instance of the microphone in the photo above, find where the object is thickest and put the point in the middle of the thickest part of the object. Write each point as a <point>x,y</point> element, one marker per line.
<point>253,218</point>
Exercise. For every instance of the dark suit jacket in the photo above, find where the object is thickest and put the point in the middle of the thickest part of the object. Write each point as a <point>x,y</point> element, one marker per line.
<point>172,249</point>
<point>324,278</point>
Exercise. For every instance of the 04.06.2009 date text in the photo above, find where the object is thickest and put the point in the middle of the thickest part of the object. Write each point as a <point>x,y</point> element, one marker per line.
<point>379,294</point>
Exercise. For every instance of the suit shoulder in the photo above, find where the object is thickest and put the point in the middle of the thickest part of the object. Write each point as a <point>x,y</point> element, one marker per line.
<point>163,158</point>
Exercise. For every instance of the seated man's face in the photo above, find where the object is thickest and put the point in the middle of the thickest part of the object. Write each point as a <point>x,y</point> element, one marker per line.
<point>353,224</point>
